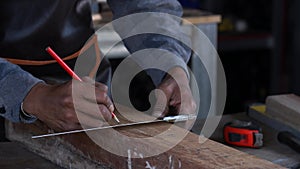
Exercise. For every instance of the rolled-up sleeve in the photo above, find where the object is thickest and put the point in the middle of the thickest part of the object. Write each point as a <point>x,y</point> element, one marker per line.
<point>171,25</point>
<point>15,84</point>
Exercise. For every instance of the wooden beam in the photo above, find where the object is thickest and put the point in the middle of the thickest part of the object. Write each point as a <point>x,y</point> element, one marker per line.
<point>189,17</point>
<point>193,16</point>
<point>285,109</point>
<point>79,150</point>
<point>202,19</point>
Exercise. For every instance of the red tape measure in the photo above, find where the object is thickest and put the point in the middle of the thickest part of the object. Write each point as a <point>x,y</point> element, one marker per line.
<point>243,133</point>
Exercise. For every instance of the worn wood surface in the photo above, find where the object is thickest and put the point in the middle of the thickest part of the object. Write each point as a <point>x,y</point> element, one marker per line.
<point>79,151</point>
<point>189,16</point>
<point>272,150</point>
<point>15,156</point>
<point>200,17</point>
<point>285,109</point>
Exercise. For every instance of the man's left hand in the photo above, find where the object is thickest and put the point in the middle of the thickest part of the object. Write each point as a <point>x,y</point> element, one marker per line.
<point>174,96</point>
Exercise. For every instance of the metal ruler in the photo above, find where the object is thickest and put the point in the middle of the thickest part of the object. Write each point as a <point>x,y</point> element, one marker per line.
<point>178,118</point>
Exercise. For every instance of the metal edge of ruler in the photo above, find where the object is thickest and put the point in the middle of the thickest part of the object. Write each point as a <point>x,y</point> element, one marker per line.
<point>178,118</point>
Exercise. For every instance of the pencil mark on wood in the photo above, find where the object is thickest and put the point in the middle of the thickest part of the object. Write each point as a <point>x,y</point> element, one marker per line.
<point>171,162</point>
<point>149,166</point>
<point>129,164</point>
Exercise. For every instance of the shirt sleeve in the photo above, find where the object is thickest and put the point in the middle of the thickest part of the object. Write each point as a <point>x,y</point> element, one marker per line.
<point>170,25</point>
<point>15,84</point>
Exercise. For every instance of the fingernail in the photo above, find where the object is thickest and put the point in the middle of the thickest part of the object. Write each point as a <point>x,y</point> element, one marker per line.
<point>111,108</point>
<point>156,114</point>
<point>115,117</point>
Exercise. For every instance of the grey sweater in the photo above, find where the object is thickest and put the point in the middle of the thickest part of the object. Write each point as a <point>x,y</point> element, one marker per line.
<point>16,83</point>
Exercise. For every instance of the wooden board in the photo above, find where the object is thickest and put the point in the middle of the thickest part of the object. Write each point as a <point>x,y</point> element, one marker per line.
<point>15,156</point>
<point>199,17</point>
<point>272,150</point>
<point>285,109</point>
<point>189,17</point>
<point>79,151</point>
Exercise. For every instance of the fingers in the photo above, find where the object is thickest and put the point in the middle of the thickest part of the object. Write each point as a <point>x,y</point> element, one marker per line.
<point>90,121</point>
<point>61,106</point>
<point>188,104</point>
<point>59,126</point>
<point>98,85</point>
<point>103,98</point>
<point>71,121</point>
<point>97,91</point>
<point>161,107</point>
<point>173,99</point>
<point>91,102</point>
<point>93,109</point>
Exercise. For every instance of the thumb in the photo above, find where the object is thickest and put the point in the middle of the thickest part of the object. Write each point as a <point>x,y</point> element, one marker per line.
<point>161,107</point>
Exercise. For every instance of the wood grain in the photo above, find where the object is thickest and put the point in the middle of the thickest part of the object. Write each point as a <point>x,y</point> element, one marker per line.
<point>79,151</point>
<point>285,109</point>
<point>189,17</point>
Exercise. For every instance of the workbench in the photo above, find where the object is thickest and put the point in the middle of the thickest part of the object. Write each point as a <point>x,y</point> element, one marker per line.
<point>159,145</point>
<point>272,150</point>
<point>14,155</point>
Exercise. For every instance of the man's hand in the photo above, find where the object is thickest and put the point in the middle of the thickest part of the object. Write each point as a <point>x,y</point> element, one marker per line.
<point>169,101</point>
<point>54,104</point>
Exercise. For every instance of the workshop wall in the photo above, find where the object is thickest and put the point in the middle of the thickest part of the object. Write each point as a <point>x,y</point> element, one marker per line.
<point>258,45</point>
<point>292,46</point>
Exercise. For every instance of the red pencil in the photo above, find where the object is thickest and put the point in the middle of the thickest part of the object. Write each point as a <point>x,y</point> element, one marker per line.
<point>70,71</point>
<point>63,64</point>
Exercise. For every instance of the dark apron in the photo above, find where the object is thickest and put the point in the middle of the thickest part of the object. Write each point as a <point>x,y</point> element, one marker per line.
<point>29,26</point>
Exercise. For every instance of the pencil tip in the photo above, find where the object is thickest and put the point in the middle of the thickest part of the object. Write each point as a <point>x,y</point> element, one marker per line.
<point>116,118</point>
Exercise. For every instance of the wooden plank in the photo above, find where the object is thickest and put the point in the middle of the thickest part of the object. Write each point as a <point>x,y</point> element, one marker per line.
<point>15,156</point>
<point>285,109</point>
<point>79,151</point>
<point>272,150</point>
<point>193,16</point>
<point>189,17</point>
<point>202,19</point>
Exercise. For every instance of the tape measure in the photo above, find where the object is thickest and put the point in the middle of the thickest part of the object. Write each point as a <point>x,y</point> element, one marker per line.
<point>243,133</point>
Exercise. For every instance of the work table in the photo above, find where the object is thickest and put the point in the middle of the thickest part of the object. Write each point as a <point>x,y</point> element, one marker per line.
<point>79,151</point>
<point>14,155</point>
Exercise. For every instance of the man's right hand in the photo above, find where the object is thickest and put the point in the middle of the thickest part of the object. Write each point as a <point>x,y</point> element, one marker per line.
<point>54,104</point>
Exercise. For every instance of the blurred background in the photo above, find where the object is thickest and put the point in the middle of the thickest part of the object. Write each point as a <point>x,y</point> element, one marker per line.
<point>258,45</point>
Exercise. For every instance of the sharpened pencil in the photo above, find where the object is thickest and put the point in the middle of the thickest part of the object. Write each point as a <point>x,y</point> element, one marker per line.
<point>71,72</point>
